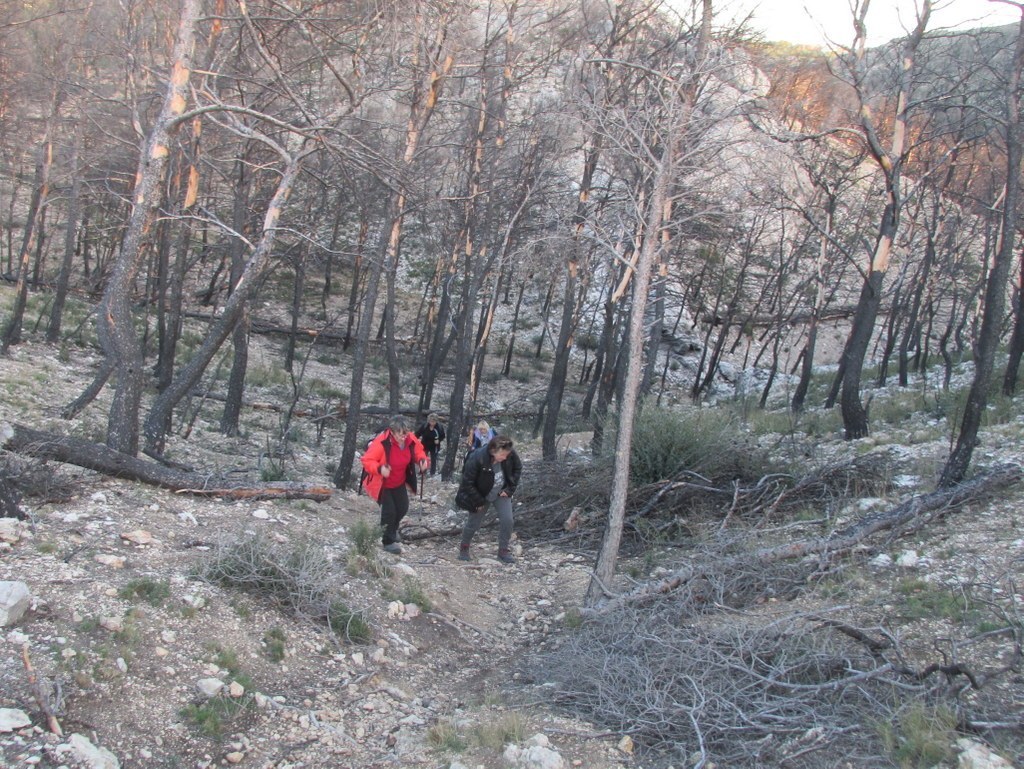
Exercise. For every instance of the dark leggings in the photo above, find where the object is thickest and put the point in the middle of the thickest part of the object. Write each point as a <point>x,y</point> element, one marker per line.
<point>394,504</point>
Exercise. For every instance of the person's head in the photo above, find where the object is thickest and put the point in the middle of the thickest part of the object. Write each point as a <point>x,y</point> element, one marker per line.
<point>500,446</point>
<point>399,426</point>
<point>482,428</point>
<point>432,419</point>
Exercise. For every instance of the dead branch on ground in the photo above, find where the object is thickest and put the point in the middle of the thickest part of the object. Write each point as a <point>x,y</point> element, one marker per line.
<point>771,495</point>
<point>98,457</point>
<point>909,516</point>
<point>40,696</point>
<point>773,687</point>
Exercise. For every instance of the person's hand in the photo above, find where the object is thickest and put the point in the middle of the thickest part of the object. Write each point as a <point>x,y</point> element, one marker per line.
<point>385,471</point>
<point>423,465</point>
<point>481,508</point>
<point>503,494</point>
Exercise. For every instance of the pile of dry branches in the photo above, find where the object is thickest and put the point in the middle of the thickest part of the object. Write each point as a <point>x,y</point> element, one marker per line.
<point>709,664</point>
<point>771,687</point>
<point>554,489</point>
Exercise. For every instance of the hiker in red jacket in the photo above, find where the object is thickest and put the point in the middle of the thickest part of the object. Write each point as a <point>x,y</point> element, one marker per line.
<point>390,462</point>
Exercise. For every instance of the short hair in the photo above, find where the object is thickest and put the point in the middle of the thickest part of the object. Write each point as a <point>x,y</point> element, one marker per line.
<point>433,418</point>
<point>499,443</point>
<point>398,423</point>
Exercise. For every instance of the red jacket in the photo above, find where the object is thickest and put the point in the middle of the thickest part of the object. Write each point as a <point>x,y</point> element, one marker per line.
<point>376,457</point>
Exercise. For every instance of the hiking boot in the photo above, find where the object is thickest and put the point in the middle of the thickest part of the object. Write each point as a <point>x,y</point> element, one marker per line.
<point>464,554</point>
<point>506,557</point>
<point>393,548</point>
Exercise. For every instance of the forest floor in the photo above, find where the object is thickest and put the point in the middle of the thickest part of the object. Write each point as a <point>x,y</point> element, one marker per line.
<point>121,622</point>
<point>128,654</point>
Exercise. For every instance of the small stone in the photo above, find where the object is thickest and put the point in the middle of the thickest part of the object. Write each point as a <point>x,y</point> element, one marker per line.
<point>626,745</point>
<point>138,537</point>
<point>209,687</point>
<point>12,719</point>
<point>11,530</point>
<point>907,559</point>
<point>235,757</point>
<point>113,561</point>
<point>15,599</point>
<point>235,689</point>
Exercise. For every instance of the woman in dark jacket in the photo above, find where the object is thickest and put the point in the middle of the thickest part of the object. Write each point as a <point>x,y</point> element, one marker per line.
<point>431,435</point>
<point>489,477</point>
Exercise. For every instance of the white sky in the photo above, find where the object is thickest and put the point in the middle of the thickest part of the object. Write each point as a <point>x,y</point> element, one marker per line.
<point>811,21</point>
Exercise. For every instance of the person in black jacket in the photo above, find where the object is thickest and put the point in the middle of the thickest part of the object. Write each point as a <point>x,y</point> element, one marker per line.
<point>489,477</point>
<point>431,435</point>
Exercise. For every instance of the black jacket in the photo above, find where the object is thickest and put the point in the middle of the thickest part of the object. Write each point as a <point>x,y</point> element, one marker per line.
<point>431,438</point>
<point>478,478</point>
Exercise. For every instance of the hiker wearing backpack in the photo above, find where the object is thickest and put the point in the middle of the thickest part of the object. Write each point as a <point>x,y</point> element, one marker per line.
<point>431,434</point>
<point>390,463</point>
<point>489,478</point>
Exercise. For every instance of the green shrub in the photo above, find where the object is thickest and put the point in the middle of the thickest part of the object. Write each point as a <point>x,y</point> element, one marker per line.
<point>920,737</point>
<point>510,728</point>
<point>296,577</point>
<point>154,592</point>
<point>924,600</point>
<point>226,659</point>
<point>365,537</point>
<point>272,471</point>
<point>411,591</point>
<point>444,735</point>
<point>275,643</point>
<point>348,624</point>
<point>667,443</point>
<point>210,716</point>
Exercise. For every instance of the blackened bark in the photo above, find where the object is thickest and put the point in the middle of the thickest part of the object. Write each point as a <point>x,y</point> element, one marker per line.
<point>995,289</point>
<point>115,323</point>
<point>240,333</point>
<point>1016,347</point>
<point>33,227</point>
<point>190,374</point>
<point>855,417</point>
<point>70,242</point>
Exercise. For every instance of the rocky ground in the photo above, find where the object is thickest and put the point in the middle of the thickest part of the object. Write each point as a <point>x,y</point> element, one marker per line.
<point>135,666</point>
<point>149,666</point>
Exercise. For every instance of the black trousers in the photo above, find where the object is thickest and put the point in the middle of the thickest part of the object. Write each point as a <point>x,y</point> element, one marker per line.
<point>432,453</point>
<point>394,504</point>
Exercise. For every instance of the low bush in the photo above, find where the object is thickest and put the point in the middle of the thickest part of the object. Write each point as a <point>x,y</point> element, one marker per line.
<point>669,443</point>
<point>297,578</point>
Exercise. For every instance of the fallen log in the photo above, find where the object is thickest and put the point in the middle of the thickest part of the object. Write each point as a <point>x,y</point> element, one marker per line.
<point>95,456</point>
<point>908,516</point>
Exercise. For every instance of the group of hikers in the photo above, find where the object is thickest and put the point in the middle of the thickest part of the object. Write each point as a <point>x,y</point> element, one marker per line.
<point>490,474</point>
